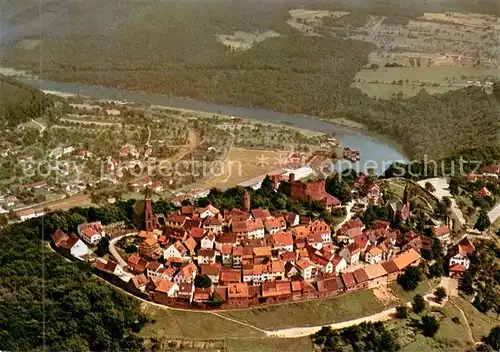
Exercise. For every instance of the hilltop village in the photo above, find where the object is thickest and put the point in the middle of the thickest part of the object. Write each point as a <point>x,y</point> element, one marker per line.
<point>206,257</point>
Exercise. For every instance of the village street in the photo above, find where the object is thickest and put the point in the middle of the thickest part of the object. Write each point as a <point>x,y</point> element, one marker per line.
<point>442,189</point>
<point>114,252</point>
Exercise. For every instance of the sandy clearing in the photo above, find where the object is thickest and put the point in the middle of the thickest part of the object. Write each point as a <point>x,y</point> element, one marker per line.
<point>241,40</point>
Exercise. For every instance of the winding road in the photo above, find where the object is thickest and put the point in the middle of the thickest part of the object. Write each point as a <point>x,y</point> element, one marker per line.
<point>114,252</point>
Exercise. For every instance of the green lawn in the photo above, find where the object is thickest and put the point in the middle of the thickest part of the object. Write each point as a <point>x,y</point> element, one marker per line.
<point>480,323</point>
<point>191,325</point>
<point>407,296</point>
<point>311,313</point>
<point>208,330</point>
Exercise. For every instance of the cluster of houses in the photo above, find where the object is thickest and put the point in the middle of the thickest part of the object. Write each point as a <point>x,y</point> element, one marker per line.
<point>254,256</point>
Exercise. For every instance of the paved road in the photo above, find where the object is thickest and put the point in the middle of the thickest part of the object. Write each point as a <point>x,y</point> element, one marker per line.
<point>348,217</point>
<point>442,189</point>
<point>494,213</point>
<point>114,252</point>
<point>306,331</point>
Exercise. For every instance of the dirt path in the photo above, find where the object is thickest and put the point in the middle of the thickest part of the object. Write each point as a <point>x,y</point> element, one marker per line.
<point>469,330</point>
<point>306,331</point>
<point>42,127</point>
<point>241,323</point>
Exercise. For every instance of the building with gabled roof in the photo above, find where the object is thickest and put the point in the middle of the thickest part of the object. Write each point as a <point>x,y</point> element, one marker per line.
<point>261,213</point>
<point>459,255</point>
<point>274,225</point>
<point>208,211</point>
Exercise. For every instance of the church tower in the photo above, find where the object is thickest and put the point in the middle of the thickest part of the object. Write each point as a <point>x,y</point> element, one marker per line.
<point>151,222</point>
<point>246,201</point>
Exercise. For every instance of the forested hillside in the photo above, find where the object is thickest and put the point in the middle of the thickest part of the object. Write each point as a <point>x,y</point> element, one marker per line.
<point>19,102</point>
<point>49,304</point>
<point>172,48</point>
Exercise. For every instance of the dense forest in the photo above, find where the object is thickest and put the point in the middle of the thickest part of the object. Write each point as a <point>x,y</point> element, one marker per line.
<point>19,102</point>
<point>47,303</point>
<point>174,50</point>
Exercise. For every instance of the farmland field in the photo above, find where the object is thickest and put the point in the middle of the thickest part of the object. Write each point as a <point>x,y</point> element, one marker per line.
<point>383,82</point>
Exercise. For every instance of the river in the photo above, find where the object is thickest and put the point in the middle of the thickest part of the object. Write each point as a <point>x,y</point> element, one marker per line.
<point>375,152</point>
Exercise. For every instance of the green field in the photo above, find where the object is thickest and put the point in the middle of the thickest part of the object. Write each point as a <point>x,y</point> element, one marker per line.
<point>406,296</point>
<point>448,78</point>
<point>192,325</point>
<point>388,91</point>
<point>207,330</point>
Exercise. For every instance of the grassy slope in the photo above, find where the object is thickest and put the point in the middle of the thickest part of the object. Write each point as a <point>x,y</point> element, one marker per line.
<point>480,323</point>
<point>310,313</point>
<point>450,335</point>
<point>192,325</point>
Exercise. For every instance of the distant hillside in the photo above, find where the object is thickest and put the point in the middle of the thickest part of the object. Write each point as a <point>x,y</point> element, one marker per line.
<point>19,102</point>
<point>172,48</point>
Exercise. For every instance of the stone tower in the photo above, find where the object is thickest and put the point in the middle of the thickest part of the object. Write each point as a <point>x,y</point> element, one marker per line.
<point>246,201</point>
<point>150,220</point>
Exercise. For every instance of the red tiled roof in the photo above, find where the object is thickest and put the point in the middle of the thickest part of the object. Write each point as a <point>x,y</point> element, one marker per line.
<point>202,294</point>
<point>457,268</point>
<point>303,263</point>
<point>330,284</point>
<point>177,218</point>
<point>273,223</point>
<point>354,232</point>
<point>197,232</point>
<point>320,226</point>
<point>211,209</point>
<point>226,249</point>
<point>247,226</point>
<point>348,279</point>
<point>237,251</point>
<point>374,271</point>
<point>275,288</point>
<point>133,258</point>
<point>59,236</point>
<point>360,276</point>
<point>381,224</point>
<point>237,290</point>
<point>139,280</point>
<point>282,239</point>
<point>466,247</point>
<point>221,291</point>
<point>296,286</point>
<point>260,213</point>
<point>210,269</point>
<point>230,275</point>
<point>289,256</point>
<point>206,253</point>
<point>441,231</point>
<point>390,267</point>
<point>187,210</point>
<point>227,238</point>
<point>212,221</point>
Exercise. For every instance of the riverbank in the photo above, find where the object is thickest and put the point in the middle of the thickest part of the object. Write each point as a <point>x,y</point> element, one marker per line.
<point>376,151</point>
